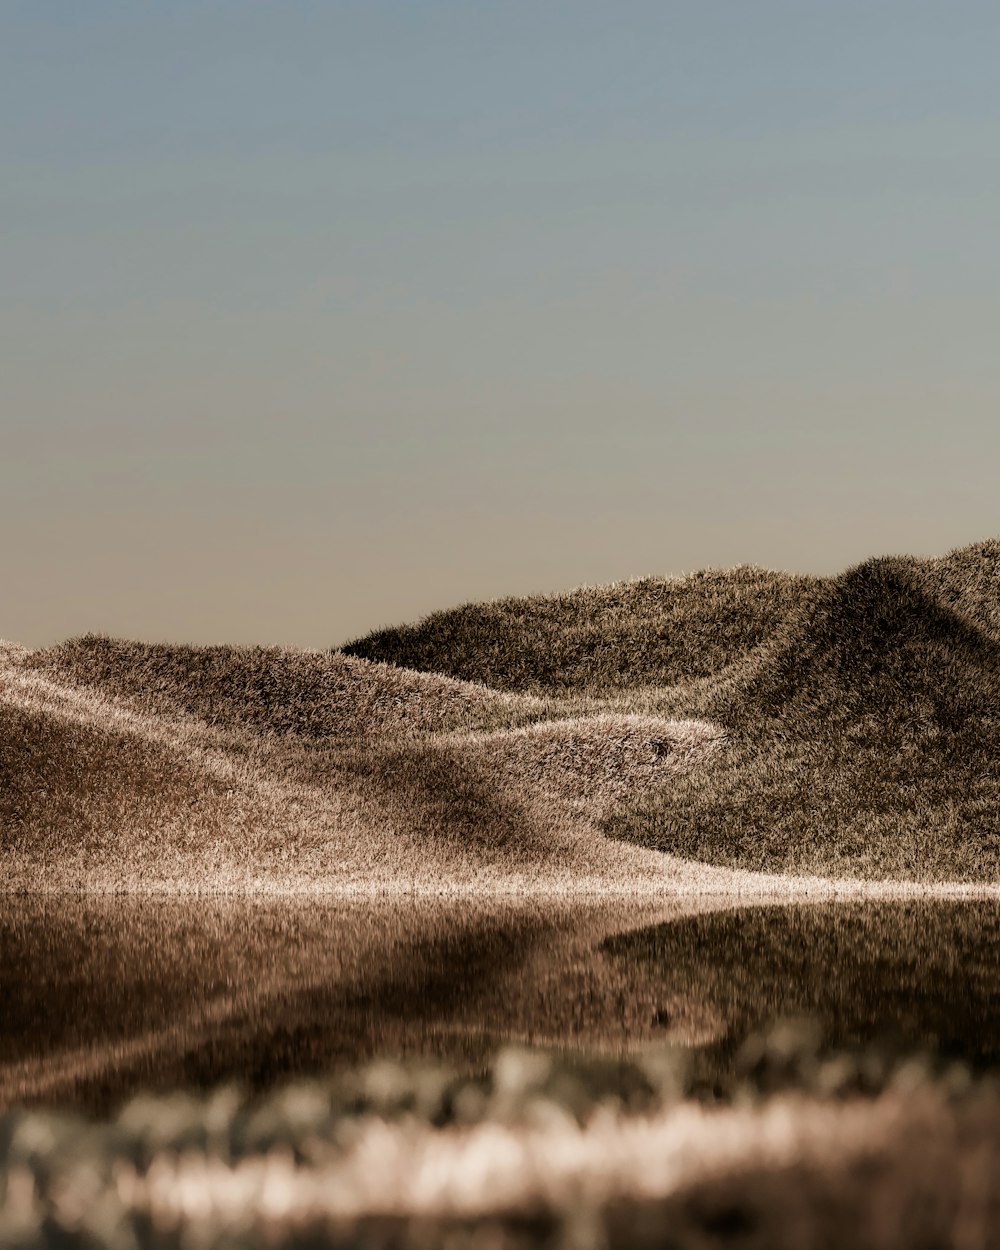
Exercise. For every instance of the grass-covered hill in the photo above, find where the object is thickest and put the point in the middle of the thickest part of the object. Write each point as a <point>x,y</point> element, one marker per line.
<point>135,766</point>
<point>738,720</point>
<point>655,631</point>
<point>862,711</point>
<point>864,736</point>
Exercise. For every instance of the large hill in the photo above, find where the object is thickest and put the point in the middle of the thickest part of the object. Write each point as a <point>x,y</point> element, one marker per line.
<point>864,736</point>
<point>653,632</point>
<point>862,711</point>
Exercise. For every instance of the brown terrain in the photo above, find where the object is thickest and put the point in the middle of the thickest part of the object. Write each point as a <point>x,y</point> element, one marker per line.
<point>724,732</point>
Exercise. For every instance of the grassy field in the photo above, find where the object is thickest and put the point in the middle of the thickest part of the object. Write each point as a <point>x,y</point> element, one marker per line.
<point>126,766</point>
<point>685,732</point>
<point>651,632</point>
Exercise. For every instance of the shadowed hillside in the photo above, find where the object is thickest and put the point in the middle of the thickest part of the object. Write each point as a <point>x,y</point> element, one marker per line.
<point>968,581</point>
<point>654,632</point>
<point>865,736</point>
<point>862,710</point>
<point>875,642</point>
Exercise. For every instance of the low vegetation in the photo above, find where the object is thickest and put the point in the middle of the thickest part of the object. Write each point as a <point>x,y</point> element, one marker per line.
<point>649,632</point>
<point>864,736</point>
<point>130,766</point>
<point>804,1148</point>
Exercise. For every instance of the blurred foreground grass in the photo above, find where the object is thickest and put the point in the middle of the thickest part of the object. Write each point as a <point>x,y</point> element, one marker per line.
<point>797,1146</point>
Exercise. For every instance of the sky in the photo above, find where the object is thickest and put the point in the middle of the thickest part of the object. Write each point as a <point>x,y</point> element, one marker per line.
<point>316,317</point>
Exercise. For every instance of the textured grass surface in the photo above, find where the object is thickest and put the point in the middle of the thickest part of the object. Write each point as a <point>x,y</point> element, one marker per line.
<point>862,711</point>
<point>126,766</point>
<point>864,737</point>
<point>741,721</point>
<point>649,632</point>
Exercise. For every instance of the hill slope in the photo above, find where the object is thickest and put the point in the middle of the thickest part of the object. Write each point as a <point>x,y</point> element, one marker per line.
<point>865,736</point>
<point>130,766</point>
<point>652,632</point>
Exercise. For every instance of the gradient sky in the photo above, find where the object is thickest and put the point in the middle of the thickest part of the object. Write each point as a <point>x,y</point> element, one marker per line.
<point>319,316</point>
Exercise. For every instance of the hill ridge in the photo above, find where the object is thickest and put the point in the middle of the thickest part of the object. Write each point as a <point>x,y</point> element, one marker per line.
<point>653,631</point>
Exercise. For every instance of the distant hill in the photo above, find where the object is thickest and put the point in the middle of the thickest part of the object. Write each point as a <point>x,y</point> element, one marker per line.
<point>268,690</point>
<point>862,709</point>
<point>883,640</point>
<point>654,632</point>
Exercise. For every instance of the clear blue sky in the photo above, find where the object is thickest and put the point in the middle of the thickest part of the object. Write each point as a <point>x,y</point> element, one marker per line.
<point>320,316</point>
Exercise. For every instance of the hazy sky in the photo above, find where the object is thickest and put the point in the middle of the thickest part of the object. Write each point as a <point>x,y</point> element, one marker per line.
<point>318,316</point>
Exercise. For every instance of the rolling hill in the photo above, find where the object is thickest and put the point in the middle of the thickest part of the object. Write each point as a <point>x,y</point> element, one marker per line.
<point>861,711</point>
<point>649,632</point>
<point>130,766</point>
<point>663,732</point>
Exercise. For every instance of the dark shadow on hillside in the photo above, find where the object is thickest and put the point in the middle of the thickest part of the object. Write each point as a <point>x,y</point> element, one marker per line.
<point>442,797</point>
<point>874,642</point>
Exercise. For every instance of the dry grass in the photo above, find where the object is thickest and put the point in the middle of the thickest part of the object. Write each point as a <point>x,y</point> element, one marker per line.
<point>649,632</point>
<point>862,712</point>
<point>728,722</point>
<point>864,737</point>
<point>742,722</point>
<point>133,767</point>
